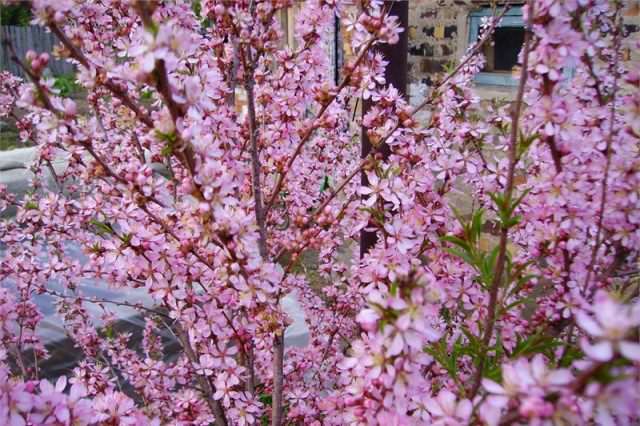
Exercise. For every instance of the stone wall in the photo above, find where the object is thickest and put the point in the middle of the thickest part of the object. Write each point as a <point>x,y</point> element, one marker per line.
<point>631,31</point>
<point>437,36</point>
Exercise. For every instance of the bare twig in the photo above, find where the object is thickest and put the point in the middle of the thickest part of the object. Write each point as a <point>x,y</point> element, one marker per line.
<point>204,382</point>
<point>99,301</point>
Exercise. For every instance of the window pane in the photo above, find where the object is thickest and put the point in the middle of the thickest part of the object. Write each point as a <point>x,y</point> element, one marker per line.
<point>508,43</point>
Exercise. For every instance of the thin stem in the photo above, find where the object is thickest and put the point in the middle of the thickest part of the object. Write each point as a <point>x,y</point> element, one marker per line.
<point>508,194</point>
<point>607,166</point>
<point>255,166</point>
<point>309,132</point>
<point>100,301</point>
<point>117,91</point>
<point>204,382</point>
<point>278,376</point>
<point>476,49</point>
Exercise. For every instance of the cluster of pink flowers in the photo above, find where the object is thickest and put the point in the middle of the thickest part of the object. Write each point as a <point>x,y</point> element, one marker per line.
<point>42,403</point>
<point>521,309</point>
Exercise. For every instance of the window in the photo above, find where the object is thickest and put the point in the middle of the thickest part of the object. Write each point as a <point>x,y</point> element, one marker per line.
<point>502,54</point>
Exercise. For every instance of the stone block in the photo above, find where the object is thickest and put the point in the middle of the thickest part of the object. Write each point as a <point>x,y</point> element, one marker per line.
<point>427,81</point>
<point>431,66</point>
<point>446,50</point>
<point>413,32</point>
<point>629,29</point>
<point>427,49</point>
<point>450,31</point>
<point>423,50</point>
<point>429,14</point>
<point>632,8</point>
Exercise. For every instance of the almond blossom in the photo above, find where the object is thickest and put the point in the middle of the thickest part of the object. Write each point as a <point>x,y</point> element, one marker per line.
<point>213,169</point>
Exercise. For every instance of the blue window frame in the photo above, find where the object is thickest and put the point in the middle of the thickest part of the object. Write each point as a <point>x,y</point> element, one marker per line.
<point>512,19</point>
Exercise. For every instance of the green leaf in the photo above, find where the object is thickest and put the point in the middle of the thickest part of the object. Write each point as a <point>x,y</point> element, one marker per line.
<point>538,343</point>
<point>461,254</point>
<point>146,95</point>
<point>266,398</point>
<point>393,290</point>
<point>169,140</point>
<point>325,184</point>
<point>101,227</point>
<point>517,202</point>
<point>457,241</point>
<point>524,143</point>
<point>476,224</point>
<point>66,85</point>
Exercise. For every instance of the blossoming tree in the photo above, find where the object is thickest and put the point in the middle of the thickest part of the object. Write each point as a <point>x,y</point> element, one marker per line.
<point>522,309</point>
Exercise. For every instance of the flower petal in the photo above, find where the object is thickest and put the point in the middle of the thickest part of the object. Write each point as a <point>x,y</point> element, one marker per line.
<point>630,350</point>
<point>396,345</point>
<point>601,351</point>
<point>588,324</point>
<point>492,387</point>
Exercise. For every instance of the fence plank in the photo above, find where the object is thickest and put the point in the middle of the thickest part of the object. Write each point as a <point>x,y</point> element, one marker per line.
<point>30,38</point>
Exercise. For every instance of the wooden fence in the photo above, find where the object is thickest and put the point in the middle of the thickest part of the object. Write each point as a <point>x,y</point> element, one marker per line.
<point>26,38</point>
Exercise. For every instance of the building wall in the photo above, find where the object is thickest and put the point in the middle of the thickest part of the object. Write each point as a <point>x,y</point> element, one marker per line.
<point>631,31</point>
<point>439,34</point>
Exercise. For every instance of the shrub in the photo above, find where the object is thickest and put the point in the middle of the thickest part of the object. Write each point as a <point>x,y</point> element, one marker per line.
<point>520,310</point>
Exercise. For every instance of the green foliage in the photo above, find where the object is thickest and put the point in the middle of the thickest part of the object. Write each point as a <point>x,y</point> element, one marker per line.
<point>448,361</point>
<point>31,205</point>
<point>15,14</point>
<point>524,142</point>
<point>325,184</point>
<point>102,228</point>
<point>196,6</point>
<point>571,354</point>
<point>467,247</point>
<point>471,346</point>
<point>146,96</point>
<point>506,208</point>
<point>535,344</point>
<point>169,140</point>
<point>266,398</point>
<point>67,85</point>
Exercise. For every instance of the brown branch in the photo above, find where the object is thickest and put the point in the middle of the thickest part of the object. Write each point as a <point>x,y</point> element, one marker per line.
<point>44,97</point>
<point>476,49</point>
<point>309,132</point>
<point>204,382</point>
<point>508,195</point>
<point>13,56</point>
<point>99,301</point>
<point>278,376</point>
<point>608,153</point>
<point>114,88</point>
<point>255,160</point>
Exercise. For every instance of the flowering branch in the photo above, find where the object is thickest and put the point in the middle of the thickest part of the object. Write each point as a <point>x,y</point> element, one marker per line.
<point>507,197</point>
